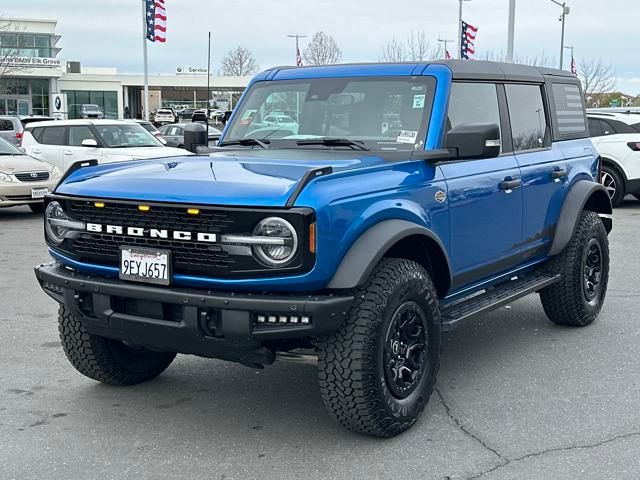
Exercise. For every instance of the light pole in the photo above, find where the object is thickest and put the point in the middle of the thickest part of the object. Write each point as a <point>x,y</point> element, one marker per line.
<point>460,27</point>
<point>512,25</point>
<point>297,37</point>
<point>444,46</point>
<point>565,12</point>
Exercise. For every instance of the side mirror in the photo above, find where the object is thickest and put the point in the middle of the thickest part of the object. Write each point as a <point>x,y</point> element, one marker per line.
<point>89,142</point>
<point>474,140</point>
<point>162,140</point>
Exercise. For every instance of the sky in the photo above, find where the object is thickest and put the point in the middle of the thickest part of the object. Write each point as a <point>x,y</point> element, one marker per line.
<point>108,33</point>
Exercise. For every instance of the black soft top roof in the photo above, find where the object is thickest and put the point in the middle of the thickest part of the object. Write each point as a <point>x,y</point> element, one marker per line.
<point>483,70</point>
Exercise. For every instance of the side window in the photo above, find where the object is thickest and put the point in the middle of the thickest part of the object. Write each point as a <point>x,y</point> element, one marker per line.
<point>37,134</point>
<point>621,127</point>
<point>6,125</point>
<point>78,134</point>
<point>595,128</point>
<point>473,103</point>
<point>528,119</point>
<point>53,136</point>
<point>607,128</point>
<point>569,109</point>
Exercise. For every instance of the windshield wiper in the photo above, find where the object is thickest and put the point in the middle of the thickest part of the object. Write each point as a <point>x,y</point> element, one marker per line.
<point>333,142</point>
<point>247,142</point>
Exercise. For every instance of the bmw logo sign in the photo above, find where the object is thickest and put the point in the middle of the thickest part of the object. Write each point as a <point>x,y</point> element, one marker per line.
<point>58,103</point>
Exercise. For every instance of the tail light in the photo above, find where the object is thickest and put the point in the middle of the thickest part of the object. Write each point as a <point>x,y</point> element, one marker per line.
<point>635,146</point>
<point>19,137</point>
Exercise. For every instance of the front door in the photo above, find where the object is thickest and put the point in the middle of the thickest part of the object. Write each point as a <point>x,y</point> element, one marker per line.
<point>485,217</point>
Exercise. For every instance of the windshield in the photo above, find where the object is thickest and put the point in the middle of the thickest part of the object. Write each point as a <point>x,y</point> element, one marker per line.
<point>130,135</point>
<point>381,113</point>
<point>7,149</point>
<point>90,108</point>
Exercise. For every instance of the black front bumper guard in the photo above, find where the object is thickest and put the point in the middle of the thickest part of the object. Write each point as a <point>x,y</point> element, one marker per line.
<point>193,321</point>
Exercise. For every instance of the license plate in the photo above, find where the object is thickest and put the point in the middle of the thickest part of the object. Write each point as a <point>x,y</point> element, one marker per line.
<point>39,192</point>
<point>146,265</point>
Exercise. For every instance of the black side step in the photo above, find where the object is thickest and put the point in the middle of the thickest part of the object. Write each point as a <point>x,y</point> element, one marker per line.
<point>455,313</point>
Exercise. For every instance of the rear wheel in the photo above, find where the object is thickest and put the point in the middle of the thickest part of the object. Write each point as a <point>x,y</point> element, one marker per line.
<point>36,207</point>
<point>613,182</point>
<point>584,264</point>
<point>378,371</point>
<point>106,360</point>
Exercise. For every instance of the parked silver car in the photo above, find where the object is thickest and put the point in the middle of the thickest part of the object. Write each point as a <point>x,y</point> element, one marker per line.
<point>24,180</point>
<point>11,126</point>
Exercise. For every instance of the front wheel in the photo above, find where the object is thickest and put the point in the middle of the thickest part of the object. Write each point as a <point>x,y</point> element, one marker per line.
<point>584,265</point>
<point>378,371</point>
<point>106,360</point>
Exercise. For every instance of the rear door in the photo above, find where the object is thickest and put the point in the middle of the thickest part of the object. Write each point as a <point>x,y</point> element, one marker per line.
<point>50,142</point>
<point>485,217</point>
<point>544,169</point>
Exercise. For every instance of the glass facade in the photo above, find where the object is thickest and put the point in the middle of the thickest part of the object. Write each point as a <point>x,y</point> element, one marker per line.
<point>106,100</point>
<point>26,45</point>
<point>24,96</point>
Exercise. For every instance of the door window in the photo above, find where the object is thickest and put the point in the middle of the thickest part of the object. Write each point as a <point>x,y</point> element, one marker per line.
<point>53,136</point>
<point>528,118</point>
<point>78,134</point>
<point>595,128</point>
<point>473,103</point>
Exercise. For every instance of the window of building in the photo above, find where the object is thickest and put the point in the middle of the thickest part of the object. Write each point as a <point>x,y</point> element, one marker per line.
<point>40,96</point>
<point>106,100</point>
<point>53,136</point>
<point>528,118</point>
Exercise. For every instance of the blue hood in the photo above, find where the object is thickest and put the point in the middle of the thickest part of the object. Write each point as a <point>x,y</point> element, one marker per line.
<point>254,178</point>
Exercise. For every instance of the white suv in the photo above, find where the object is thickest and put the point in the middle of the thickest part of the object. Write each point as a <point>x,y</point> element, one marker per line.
<point>616,136</point>
<point>63,143</point>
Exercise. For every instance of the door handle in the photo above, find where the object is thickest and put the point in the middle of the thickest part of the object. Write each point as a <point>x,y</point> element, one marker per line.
<point>67,152</point>
<point>36,150</point>
<point>508,184</point>
<point>558,174</point>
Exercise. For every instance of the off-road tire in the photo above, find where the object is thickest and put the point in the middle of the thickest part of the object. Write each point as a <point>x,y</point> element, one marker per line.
<point>36,207</point>
<point>106,360</point>
<point>567,302</point>
<point>620,193</point>
<point>351,363</point>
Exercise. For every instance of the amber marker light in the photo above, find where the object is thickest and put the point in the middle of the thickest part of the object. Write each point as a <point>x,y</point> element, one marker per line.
<point>312,237</point>
<point>144,208</point>
<point>193,211</point>
<point>98,204</point>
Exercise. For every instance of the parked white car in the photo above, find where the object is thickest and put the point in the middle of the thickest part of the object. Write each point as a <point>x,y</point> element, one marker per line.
<point>62,143</point>
<point>164,116</point>
<point>616,136</point>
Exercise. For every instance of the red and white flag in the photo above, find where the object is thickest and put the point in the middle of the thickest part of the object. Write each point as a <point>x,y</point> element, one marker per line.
<point>156,20</point>
<point>447,55</point>
<point>467,42</point>
<point>298,58</point>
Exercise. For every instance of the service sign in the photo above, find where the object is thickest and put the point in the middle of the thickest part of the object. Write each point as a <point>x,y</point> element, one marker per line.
<point>191,70</point>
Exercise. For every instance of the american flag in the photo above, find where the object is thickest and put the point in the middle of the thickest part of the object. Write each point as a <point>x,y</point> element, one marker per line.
<point>298,58</point>
<point>447,55</point>
<point>574,67</point>
<point>467,42</point>
<point>156,21</point>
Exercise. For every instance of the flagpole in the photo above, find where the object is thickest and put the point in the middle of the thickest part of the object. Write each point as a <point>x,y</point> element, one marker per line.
<point>146,69</point>
<point>208,87</point>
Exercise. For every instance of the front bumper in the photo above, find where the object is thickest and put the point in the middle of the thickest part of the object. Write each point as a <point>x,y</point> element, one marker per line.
<point>19,193</point>
<point>236,327</point>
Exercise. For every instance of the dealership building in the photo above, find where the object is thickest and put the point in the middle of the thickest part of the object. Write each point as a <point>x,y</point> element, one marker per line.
<point>32,70</point>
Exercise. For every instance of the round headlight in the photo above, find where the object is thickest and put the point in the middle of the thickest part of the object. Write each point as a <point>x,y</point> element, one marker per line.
<point>53,216</point>
<point>284,245</point>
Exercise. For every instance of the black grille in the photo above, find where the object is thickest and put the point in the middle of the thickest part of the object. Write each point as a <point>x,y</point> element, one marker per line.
<point>32,176</point>
<point>188,257</point>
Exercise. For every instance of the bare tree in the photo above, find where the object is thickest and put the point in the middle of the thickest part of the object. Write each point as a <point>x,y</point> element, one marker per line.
<point>9,52</point>
<point>415,48</point>
<point>239,62</point>
<point>322,50</point>
<point>596,77</point>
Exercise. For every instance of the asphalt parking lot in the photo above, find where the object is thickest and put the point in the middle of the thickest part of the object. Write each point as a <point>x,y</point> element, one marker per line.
<point>517,397</point>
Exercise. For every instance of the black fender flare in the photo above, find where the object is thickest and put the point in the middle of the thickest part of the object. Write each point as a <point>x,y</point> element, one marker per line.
<point>583,195</point>
<point>370,247</point>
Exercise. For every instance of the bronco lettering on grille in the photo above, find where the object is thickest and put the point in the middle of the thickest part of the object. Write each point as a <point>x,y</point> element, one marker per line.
<point>151,233</point>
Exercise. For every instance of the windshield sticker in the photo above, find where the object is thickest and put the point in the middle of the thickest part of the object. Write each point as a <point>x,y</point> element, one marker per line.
<point>407,136</point>
<point>418,101</point>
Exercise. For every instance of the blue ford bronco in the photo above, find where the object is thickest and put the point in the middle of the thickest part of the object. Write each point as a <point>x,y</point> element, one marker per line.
<point>349,216</point>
